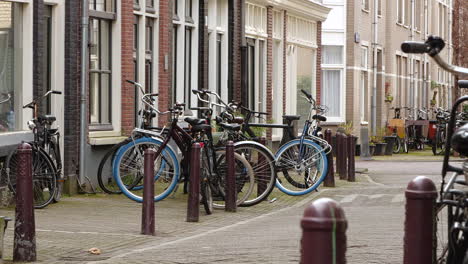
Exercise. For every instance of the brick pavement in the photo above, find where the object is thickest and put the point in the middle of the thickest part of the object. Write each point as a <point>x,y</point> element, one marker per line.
<point>268,233</point>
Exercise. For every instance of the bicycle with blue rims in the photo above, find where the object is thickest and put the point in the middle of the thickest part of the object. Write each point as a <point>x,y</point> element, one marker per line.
<point>128,169</point>
<point>302,162</point>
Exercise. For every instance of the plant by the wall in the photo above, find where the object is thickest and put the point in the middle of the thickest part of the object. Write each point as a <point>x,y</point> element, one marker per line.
<point>347,127</point>
<point>434,85</point>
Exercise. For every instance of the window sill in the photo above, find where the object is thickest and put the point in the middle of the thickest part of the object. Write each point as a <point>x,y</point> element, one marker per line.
<point>101,141</point>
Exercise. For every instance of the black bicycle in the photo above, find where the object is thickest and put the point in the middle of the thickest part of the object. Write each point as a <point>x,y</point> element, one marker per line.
<point>46,159</point>
<point>450,237</point>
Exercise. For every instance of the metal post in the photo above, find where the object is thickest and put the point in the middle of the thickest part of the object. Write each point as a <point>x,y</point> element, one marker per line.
<point>351,158</point>
<point>24,248</point>
<point>84,85</point>
<point>420,194</point>
<point>365,154</point>
<point>148,218</point>
<point>260,175</point>
<point>193,209</point>
<point>323,233</point>
<point>231,192</point>
<point>344,174</point>
<point>330,179</point>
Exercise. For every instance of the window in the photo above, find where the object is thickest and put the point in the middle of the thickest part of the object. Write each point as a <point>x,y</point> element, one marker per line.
<point>107,6</point>
<point>379,8</point>
<point>149,37</point>
<point>364,96</point>
<point>188,65</point>
<point>364,58</point>
<point>365,5</point>
<point>418,13</point>
<point>9,70</point>
<point>184,59</point>
<point>219,65</point>
<point>332,54</point>
<point>100,71</point>
<point>47,56</point>
<point>331,91</point>
<point>407,12</point>
<point>332,78</point>
<point>305,80</point>
<point>398,81</point>
<point>400,8</point>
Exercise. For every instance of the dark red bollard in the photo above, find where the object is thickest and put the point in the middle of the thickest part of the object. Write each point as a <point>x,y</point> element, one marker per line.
<point>260,176</point>
<point>193,209</point>
<point>147,217</point>
<point>231,192</point>
<point>339,152</point>
<point>330,179</point>
<point>421,195</point>
<point>24,248</point>
<point>351,158</point>
<point>323,233</point>
<point>344,164</point>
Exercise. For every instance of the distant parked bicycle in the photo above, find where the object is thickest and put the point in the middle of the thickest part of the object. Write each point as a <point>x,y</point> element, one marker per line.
<point>46,159</point>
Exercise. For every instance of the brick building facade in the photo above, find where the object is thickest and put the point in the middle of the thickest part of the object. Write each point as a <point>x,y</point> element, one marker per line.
<point>256,51</point>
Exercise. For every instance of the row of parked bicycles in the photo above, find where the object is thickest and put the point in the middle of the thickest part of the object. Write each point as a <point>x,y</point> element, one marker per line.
<point>297,168</point>
<point>421,127</point>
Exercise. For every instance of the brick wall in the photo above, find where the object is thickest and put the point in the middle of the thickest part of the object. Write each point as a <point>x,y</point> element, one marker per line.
<point>237,81</point>
<point>38,49</point>
<point>269,79</point>
<point>319,63</point>
<point>165,48</point>
<point>128,71</point>
<point>72,87</point>
<point>203,46</point>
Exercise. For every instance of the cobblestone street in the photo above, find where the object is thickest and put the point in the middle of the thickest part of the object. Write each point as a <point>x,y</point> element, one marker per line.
<point>268,233</point>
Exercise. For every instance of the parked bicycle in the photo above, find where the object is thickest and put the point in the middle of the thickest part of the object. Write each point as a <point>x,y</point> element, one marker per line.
<point>128,162</point>
<point>46,158</point>
<point>301,162</point>
<point>451,238</point>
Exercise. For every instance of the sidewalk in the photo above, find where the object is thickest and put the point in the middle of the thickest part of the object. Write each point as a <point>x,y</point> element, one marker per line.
<point>67,230</point>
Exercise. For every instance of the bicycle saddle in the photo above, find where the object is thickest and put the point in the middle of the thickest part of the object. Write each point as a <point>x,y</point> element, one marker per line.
<point>193,121</point>
<point>47,118</point>
<point>460,140</point>
<point>232,127</point>
<point>292,117</point>
<point>320,118</point>
<point>201,127</point>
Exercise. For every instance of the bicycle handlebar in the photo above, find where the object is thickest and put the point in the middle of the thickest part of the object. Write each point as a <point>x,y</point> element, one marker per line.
<point>433,46</point>
<point>463,84</point>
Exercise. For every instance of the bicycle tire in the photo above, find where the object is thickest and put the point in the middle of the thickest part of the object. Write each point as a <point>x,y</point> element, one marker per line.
<point>397,145</point>
<point>245,179</point>
<point>167,169</point>
<point>58,193</point>
<point>44,176</point>
<point>205,188</point>
<point>286,159</point>
<point>263,165</point>
<point>104,174</point>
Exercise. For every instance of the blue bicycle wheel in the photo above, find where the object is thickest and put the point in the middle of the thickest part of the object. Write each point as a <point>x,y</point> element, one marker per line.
<point>301,168</point>
<point>128,169</point>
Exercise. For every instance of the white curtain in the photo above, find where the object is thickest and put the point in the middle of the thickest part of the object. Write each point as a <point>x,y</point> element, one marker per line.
<point>331,92</point>
<point>332,55</point>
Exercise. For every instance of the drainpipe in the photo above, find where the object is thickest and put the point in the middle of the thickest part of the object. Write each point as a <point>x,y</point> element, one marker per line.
<point>412,79</point>
<point>243,47</point>
<point>426,68</point>
<point>84,79</point>
<point>375,68</point>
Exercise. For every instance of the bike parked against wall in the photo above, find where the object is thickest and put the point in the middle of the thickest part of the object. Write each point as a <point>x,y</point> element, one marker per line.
<point>46,158</point>
<point>451,238</point>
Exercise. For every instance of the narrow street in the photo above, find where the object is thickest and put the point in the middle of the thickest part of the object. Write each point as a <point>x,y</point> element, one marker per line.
<point>269,233</point>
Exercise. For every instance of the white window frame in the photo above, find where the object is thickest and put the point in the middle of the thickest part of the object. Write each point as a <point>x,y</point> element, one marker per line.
<point>364,70</point>
<point>341,68</point>
<point>179,29</point>
<point>217,25</point>
<point>144,13</point>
